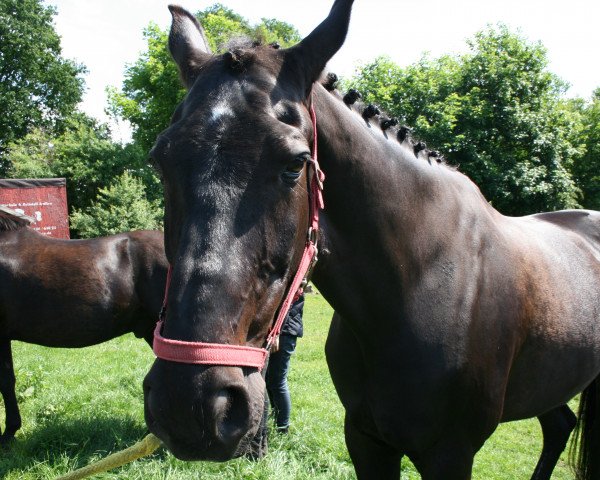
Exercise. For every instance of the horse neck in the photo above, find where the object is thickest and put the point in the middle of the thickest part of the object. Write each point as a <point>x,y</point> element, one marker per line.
<point>149,264</point>
<point>386,210</point>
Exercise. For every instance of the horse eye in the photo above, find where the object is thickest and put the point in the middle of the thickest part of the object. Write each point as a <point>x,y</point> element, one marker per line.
<point>293,170</point>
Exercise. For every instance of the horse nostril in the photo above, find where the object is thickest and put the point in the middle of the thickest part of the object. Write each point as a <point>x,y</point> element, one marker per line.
<point>231,407</point>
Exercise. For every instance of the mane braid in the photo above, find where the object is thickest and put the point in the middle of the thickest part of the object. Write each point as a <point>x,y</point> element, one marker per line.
<point>352,100</point>
<point>330,82</point>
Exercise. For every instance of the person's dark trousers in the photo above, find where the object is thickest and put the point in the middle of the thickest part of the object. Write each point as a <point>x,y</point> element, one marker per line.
<point>276,379</point>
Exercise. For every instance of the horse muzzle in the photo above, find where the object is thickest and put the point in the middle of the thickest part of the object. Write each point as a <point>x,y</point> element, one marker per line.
<point>203,413</point>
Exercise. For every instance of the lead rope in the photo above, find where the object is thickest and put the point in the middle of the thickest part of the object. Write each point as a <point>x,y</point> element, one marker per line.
<point>148,445</point>
<point>243,356</point>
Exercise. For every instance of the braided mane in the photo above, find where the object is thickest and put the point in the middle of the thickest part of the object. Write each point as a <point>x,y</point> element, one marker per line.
<point>388,125</point>
<point>241,51</point>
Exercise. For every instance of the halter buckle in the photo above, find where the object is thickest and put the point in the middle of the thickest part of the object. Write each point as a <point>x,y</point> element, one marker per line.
<point>313,236</point>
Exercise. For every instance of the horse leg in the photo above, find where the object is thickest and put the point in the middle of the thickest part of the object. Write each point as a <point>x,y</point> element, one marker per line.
<point>557,425</point>
<point>372,459</point>
<point>449,459</point>
<point>7,389</point>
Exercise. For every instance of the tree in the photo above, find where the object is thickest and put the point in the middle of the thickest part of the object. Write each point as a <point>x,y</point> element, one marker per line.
<point>38,88</point>
<point>221,24</point>
<point>496,112</point>
<point>152,90</point>
<point>586,169</point>
<point>121,207</point>
<point>85,155</point>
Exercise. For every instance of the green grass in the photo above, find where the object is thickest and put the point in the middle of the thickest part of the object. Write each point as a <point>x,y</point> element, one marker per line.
<point>81,405</point>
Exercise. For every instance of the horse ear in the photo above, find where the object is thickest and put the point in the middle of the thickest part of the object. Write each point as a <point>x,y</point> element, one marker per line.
<point>187,44</point>
<point>313,53</point>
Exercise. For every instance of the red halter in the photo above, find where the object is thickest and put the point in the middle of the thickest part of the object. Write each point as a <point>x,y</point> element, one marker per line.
<point>238,355</point>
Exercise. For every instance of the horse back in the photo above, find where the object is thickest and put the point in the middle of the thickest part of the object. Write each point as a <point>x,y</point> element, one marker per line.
<point>585,223</point>
<point>72,293</point>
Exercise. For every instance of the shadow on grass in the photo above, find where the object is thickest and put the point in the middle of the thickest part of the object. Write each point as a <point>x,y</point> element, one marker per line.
<point>71,440</point>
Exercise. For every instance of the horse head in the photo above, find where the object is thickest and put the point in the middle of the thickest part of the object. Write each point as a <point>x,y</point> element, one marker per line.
<point>234,169</point>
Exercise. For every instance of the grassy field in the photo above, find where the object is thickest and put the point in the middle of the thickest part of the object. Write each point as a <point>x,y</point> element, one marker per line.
<point>80,405</point>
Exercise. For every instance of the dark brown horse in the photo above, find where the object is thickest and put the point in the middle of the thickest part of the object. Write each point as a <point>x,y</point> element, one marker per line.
<point>450,317</point>
<point>73,293</point>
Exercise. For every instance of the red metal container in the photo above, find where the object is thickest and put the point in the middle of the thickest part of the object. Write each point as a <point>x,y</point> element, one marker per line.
<point>44,200</point>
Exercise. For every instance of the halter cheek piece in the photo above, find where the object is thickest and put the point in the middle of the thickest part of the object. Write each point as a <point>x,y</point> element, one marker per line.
<point>238,355</point>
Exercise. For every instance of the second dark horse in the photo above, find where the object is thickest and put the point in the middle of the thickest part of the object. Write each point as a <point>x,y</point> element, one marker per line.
<point>73,293</point>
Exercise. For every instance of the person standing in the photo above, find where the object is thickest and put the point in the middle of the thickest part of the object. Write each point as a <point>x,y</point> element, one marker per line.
<point>279,362</point>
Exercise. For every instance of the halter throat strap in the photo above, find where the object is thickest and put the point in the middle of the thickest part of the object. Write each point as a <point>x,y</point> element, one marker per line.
<point>201,353</point>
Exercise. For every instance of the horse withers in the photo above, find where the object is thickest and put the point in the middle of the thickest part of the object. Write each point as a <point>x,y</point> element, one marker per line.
<point>73,293</point>
<point>450,317</point>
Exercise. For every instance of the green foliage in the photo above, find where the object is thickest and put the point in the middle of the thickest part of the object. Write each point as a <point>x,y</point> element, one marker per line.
<point>222,24</point>
<point>30,385</point>
<point>151,90</point>
<point>85,155</point>
<point>40,136</point>
<point>83,152</point>
<point>121,207</point>
<point>38,88</point>
<point>496,112</point>
<point>275,31</point>
<point>586,169</point>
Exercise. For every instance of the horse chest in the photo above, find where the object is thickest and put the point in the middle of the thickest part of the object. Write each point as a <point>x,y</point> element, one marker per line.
<point>398,392</point>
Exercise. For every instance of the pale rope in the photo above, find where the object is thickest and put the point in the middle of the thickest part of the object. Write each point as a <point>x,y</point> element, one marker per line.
<point>149,444</point>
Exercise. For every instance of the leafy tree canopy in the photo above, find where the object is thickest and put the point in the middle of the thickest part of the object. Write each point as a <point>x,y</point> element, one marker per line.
<point>84,154</point>
<point>586,169</point>
<point>38,88</point>
<point>121,207</point>
<point>496,112</point>
<point>152,90</point>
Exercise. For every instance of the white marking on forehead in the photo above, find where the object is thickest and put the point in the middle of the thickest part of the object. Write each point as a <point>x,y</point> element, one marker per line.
<point>219,111</point>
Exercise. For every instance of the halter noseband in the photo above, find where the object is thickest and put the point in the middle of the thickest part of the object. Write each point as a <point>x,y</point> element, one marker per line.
<point>239,355</point>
